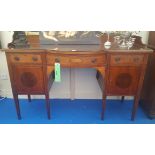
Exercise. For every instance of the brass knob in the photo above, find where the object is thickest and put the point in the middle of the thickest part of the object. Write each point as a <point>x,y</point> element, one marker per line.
<point>94,60</point>
<point>34,58</point>
<point>57,60</point>
<point>17,58</point>
<point>117,59</point>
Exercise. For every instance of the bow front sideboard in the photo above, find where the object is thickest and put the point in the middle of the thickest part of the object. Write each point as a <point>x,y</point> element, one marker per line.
<point>120,72</point>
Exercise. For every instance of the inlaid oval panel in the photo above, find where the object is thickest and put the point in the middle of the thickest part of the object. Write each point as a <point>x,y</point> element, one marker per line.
<point>28,79</point>
<point>123,80</point>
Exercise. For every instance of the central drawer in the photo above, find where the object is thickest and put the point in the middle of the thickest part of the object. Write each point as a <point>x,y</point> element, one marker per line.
<point>76,61</point>
<point>63,60</point>
<point>88,61</point>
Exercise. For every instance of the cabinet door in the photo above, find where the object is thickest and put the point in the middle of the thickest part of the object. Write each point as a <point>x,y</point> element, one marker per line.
<point>28,79</point>
<point>123,80</point>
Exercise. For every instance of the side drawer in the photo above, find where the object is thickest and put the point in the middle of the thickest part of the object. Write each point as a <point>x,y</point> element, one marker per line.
<point>25,58</point>
<point>126,59</point>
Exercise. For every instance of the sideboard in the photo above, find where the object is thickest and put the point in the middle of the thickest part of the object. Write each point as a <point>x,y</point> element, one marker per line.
<point>120,71</point>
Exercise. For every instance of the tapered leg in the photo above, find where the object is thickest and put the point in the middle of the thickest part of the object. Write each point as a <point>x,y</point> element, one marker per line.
<point>29,97</point>
<point>103,107</point>
<point>122,99</point>
<point>48,106</point>
<point>17,105</point>
<point>101,70</point>
<point>135,106</point>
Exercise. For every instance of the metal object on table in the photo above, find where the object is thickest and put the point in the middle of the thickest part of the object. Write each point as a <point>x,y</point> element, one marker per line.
<point>19,40</point>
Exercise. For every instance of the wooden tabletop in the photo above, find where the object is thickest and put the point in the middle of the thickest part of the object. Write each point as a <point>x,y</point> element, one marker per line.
<point>80,48</point>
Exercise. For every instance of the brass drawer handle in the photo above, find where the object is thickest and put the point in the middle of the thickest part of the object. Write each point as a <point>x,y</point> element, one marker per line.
<point>34,58</point>
<point>117,59</point>
<point>94,60</point>
<point>17,58</point>
<point>57,60</point>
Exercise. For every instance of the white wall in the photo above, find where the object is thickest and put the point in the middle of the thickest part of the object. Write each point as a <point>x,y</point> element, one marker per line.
<point>5,85</point>
<point>6,37</point>
<point>86,85</point>
<point>144,35</point>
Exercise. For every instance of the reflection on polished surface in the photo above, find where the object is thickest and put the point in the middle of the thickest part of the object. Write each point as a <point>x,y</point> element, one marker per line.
<point>91,48</point>
<point>69,37</point>
<point>74,41</point>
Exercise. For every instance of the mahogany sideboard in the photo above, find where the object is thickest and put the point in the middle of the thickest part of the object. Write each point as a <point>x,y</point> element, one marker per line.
<point>120,71</point>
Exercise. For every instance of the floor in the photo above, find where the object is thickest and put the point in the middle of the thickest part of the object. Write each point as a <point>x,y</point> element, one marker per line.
<point>65,111</point>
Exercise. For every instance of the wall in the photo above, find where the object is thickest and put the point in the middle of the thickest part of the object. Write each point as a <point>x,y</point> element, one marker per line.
<point>144,35</point>
<point>86,85</point>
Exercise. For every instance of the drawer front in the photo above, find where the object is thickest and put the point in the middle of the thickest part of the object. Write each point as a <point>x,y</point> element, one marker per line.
<point>76,61</point>
<point>87,61</point>
<point>126,59</point>
<point>63,60</point>
<point>25,58</point>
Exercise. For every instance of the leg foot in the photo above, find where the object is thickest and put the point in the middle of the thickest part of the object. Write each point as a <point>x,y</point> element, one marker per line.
<point>122,99</point>
<point>103,108</point>
<point>135,107</point>
<point>29,97</point>
<point>48,106</point>
<point>17,105</point>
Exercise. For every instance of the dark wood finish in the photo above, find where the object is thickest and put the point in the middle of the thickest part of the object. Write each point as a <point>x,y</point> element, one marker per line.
<point>147,100</point>
<point>47,81</point>
<point>27,72</point>
<point>28,79</point>
<point>119,71</point>
<point>87,60</point>
<point>151,39</point>
<point>122,99</point>
<point>29,97</point>
<point>25,58</point>
<point>123,80</point>
<point>14,92</point>
<point>129,59</point>
<point>140,84</point>
<point>148,92</point>
<point>15,95</point>
<point>124,77</point>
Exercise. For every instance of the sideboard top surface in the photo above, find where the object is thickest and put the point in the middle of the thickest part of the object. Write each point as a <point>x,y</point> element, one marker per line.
<point>79,49</point>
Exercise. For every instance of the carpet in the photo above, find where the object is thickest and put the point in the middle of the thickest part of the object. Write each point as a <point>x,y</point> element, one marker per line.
<point>65,111</point>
